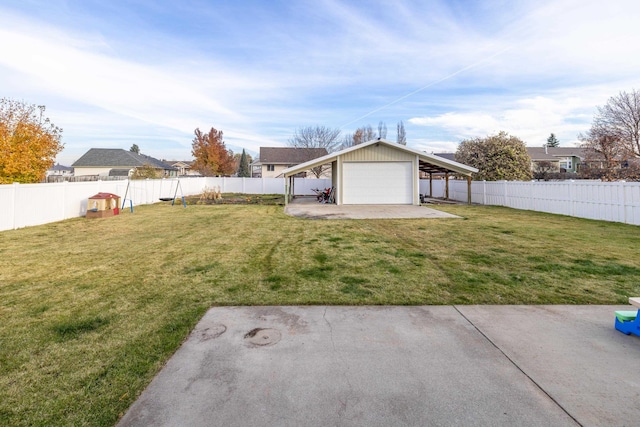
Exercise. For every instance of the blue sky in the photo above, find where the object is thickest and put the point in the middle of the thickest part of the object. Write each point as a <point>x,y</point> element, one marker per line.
<point>116,73</point>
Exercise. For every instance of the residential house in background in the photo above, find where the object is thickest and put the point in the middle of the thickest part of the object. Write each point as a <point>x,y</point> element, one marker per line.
<point>562,159</point>
<point>183,167</point>
<point>59,170</point>
<point>117,162</point>
<point>59,173</point>
<point>273,160</point>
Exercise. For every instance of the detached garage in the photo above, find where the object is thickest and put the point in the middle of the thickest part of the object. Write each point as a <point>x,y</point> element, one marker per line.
<point>377,172</point>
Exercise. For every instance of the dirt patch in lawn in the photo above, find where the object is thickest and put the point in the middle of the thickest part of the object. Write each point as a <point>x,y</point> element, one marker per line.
<point>236,199</point>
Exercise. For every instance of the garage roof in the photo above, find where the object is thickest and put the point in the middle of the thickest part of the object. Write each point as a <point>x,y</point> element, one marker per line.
<point>429,163</point>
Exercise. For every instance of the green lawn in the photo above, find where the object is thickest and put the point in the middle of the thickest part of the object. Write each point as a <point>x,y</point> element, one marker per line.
<point>91,309</point>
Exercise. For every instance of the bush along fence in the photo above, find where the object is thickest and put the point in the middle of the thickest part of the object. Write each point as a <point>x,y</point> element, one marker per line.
<point>608,201</point>
<point>26,205</point>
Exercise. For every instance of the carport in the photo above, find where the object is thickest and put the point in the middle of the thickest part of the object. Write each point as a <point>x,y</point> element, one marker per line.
<point>379,172</point>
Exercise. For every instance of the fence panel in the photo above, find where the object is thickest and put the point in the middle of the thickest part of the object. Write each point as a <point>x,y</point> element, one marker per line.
<point>7,206</point>
<point>607,201</point>
<point>34,204</point>
<point>305,186</point>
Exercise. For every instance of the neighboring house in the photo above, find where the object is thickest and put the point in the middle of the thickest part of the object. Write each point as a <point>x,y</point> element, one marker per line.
<point>273,160</point>
<point>117,162</point>
<point>378,172</point>
<point>183,167</point>
<point>59,170</point>
<point>562,159</point>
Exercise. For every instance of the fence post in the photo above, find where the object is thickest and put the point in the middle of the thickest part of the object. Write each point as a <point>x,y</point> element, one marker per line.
<point>64,199</point>
<point>15,204</point>
<point>622,201</point>
<point>484,192</point>
<point>506,196</point>
<point>572,207</point>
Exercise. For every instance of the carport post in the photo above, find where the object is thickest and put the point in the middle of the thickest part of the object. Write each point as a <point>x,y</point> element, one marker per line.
<point>469,190</point>
<point>446,185</point>
<point>286,192</point>
<point>292,185</point>
<point>431,185</point>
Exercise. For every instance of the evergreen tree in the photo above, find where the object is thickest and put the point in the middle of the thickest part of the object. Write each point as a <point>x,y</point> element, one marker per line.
<point>552,141</point>
<point>243,167</point>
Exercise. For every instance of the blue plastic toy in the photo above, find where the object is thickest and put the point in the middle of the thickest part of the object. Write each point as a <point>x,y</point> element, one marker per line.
<point>628,322</point>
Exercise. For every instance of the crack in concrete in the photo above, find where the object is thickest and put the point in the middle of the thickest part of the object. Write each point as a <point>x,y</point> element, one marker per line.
<point>513,362</point>
<point>344,403</point>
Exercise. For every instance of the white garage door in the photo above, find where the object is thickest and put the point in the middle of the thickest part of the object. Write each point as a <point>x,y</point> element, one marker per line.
<point>373,183</point>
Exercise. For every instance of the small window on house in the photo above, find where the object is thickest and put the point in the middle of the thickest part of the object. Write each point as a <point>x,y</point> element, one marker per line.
<point>566,164</point>
<point>271,168</point>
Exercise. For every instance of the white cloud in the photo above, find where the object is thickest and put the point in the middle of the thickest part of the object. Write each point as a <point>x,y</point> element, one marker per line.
<point>530,68</point>
<point>532,119</point>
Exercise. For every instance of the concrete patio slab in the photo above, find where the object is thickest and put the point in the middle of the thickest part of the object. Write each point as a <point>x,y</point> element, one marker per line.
<point>573,353</point>
<point>380,366</point>
<point>309,208</point>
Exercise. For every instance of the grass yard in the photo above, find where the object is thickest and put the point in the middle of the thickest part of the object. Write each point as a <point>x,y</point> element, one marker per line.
<point>91,309</point>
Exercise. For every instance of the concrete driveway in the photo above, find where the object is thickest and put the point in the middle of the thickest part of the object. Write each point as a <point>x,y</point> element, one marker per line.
<point>400,366</point>
<point>309,208</point>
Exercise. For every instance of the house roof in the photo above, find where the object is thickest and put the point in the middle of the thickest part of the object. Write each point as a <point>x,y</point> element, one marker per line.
<point>288,155</point>
<point>117,158</point>
<point>59,167</point>
<point>428,162</point>
<point>448,156</point>
<point>553,153</point>
<point>539,153</point>
<point>183,163</point>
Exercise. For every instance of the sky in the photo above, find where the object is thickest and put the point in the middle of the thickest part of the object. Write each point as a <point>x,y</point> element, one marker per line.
<point>149,72</point>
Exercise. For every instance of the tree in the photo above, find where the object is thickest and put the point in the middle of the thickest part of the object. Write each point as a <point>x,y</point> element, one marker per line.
<point>620,119</point>
<point>144,172</point>
<point>603,149</point>
<point>29,142</point>
<point>211,154</point>
<point>552,141</point>
<point>382,130</point>
<point>316,137</point>
<point>243,166</point>
<point>498,157</point>
<point>402,136</point>
<point>360,135</point>
<point>366,133</point>
<point>543,170</point>
<point>135,149</point>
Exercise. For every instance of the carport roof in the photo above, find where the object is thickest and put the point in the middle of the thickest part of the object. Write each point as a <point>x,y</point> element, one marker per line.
<point>428,162</point>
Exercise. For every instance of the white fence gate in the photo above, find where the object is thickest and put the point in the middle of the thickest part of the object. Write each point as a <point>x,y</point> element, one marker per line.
<point>24,205</point>
<point>608,201</point>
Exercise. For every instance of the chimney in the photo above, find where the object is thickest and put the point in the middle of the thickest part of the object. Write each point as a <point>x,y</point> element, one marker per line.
<point>545,149</point>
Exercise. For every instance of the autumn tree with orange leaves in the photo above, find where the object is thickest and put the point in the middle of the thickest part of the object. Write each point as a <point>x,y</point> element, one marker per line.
<point>211,154</point>
<point>29,142</point>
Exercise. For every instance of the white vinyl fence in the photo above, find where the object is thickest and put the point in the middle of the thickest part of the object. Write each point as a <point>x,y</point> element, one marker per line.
<point>608,201</point>
<point>23,205</point>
